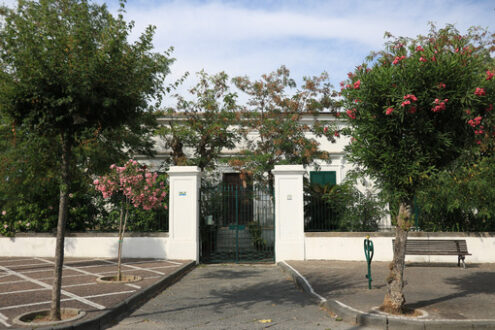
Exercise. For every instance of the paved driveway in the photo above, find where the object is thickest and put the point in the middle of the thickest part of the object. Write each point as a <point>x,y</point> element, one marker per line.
<point>232,297</point>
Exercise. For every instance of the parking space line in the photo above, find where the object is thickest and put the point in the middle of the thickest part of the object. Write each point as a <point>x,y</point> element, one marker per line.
<point>65,299</point>
<point>75,275</point>
<point>109,294</point>
<point>3,320</point>
<point>22,291</point>
<point>135,267</point>
<point>41,289</point>
<point>174,262</point>
<point>25,265</point>
<point>15,260</point>
<point>133,286</point>
<point>71,268</point>
<point>43,284</point>
<point>174,266</point>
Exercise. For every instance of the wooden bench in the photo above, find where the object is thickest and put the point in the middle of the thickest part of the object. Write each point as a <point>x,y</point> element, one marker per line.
<point>442,247</point>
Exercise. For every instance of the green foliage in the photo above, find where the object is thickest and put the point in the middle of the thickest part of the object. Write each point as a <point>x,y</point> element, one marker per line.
<point>204,124</point>
<point>409,108</point>
<point>460,199</point>
<point>341,207</point>
<point>275,116</point>
<point>69,77</point>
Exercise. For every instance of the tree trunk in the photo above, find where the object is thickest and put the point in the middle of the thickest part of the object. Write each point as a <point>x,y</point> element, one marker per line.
<point>62,219</point>
<point>394,299</point>
<point>121,237</point>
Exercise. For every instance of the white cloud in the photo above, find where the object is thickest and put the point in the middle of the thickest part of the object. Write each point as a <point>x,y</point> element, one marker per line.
<point>332,36</point>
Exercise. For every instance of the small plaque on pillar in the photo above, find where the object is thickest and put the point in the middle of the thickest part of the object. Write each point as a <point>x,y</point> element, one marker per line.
<point>182,193</point>
<point>289,197</point>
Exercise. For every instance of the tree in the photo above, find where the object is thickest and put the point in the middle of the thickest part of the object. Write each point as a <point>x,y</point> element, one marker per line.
<point>68,71</point>
<point>276,116</point>
<point>413,109</point>
<point>134,185</point>
<point>198,130</point>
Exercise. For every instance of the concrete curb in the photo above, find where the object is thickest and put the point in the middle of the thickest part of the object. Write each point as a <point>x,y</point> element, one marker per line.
<point>116,313</point>
<point>380,321</point>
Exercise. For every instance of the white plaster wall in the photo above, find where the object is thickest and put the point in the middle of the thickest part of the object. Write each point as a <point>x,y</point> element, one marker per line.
<point>351,248</point>
<point>96,247</point>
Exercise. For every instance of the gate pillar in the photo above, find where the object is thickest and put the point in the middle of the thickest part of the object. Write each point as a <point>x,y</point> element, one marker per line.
<point>289,212</point>
<point>183,233</point>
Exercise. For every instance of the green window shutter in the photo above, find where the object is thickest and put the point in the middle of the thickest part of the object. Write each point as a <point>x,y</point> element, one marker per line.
<point>323,177</point>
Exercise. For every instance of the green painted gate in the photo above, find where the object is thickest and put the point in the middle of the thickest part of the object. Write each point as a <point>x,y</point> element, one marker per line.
<point>236,224</point>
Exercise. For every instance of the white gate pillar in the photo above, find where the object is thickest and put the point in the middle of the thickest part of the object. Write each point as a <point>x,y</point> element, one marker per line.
<point>289,212</point>
<point>183,216</point>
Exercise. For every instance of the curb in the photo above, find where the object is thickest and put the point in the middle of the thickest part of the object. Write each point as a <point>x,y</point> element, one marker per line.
<point>380,321</point>
<point>118,312</point>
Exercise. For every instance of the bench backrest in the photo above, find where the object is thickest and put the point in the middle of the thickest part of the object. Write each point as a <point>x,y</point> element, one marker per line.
<point>436,247</point>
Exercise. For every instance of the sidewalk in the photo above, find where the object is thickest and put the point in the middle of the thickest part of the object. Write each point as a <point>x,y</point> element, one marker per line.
<point>448,294</point>
<point>25,286</point>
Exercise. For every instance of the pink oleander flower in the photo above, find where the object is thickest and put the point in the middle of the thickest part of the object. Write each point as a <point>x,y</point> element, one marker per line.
<point>351,113</point>
<point>336,133</point>
<point>357,84</point>
<point>28,224</point>
<point>412,110</point>
<point>407,102</point>
<point>479,91</point>
<point>490,108</point>
<point>433,58</point>
<point>489,75</point>
<point>4,212</point>
<point>419,49</point>
<point>96,182</point>
<point>422,59</point>
<point>411,97</point>
<point>389,111</point>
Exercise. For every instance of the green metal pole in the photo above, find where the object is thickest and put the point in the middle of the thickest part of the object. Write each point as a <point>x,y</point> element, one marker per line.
<point>236,188</point>
<point>368,252</point>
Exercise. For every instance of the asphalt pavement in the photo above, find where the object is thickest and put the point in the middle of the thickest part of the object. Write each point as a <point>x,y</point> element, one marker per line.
<point>232,297</point>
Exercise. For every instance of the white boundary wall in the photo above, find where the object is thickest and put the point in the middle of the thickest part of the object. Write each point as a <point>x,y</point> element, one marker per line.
<point>317,246</point>
<point>86,245</point>
<point>349,246</point>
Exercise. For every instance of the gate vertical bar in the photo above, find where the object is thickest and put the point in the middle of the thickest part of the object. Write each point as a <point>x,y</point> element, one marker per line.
<point>236,188</point>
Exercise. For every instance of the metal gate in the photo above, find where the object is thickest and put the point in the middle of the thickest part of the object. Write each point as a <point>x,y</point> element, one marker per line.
<point>236,224</point>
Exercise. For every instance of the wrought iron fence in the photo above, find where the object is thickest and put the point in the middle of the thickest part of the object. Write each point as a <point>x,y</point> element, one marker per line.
<point>236,224</point>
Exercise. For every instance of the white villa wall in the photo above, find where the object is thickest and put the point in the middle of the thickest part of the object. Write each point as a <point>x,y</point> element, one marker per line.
<point>349,246</point>
<point>86,245</point>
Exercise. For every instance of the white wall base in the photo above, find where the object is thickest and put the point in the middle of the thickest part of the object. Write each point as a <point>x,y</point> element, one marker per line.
<point>480,245</point>
<point>94,247</point>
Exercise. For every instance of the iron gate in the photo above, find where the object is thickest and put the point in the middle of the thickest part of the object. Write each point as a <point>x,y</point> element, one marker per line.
<point>236,224</point>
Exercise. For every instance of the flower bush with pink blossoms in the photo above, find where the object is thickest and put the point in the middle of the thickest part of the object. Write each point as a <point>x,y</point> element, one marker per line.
<point>135,186</point>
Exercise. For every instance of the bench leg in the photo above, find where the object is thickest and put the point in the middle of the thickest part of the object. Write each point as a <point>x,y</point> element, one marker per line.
<point>459,259</point>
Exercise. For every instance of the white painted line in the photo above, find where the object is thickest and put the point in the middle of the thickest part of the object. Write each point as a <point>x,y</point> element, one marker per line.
<point>41,289</point>
<point>24,265</point>
<point>21,291</point>
<point>80,284</point>
<point>15,260</point>
<point>75,275</point>
<point>109,294</point>
<point>71,268</point>
<point>306,282</point>
<point>3,320</point>
<point>138,268</point>
<point>174,266</point>
<point>174,262</point>
<point>65,299</point>
<point>133,286</point>
<point>44,285</point>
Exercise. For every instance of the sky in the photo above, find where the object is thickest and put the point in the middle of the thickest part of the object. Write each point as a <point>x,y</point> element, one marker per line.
<point>309,37</point>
